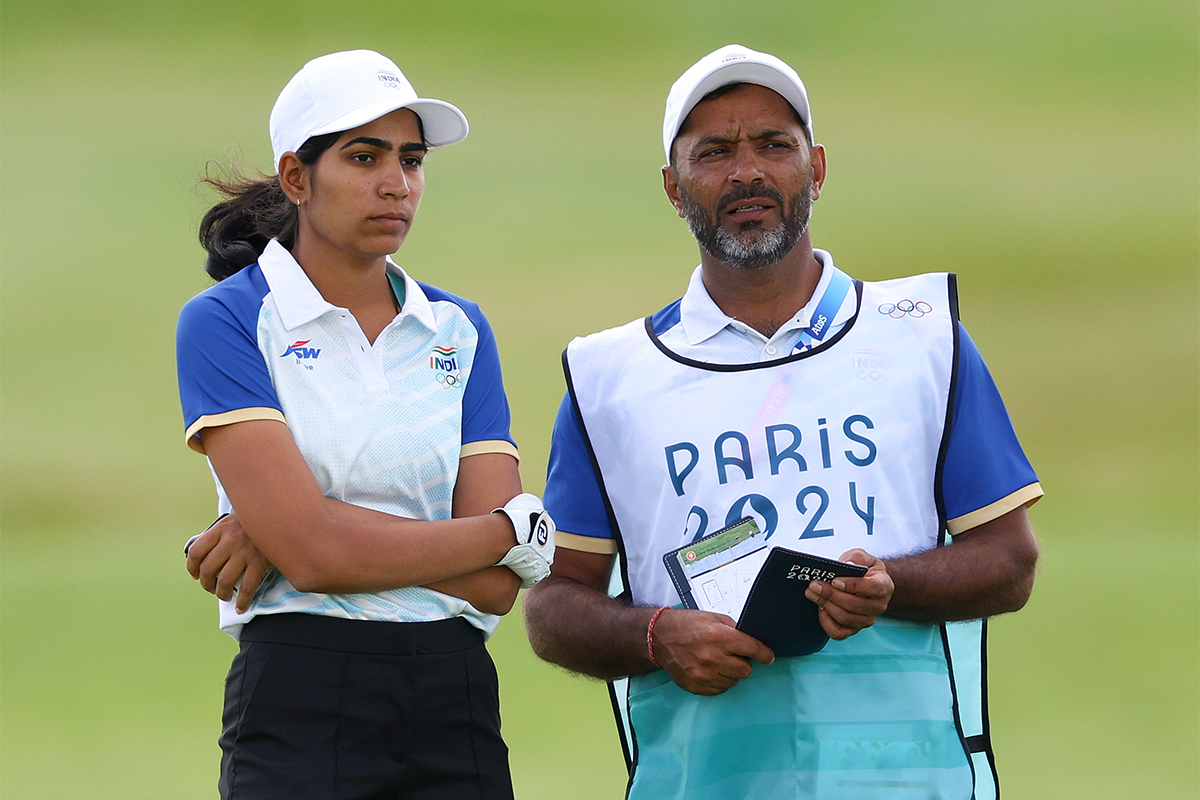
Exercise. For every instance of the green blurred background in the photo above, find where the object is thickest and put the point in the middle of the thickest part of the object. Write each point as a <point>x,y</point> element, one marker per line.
<point>1048,152</point>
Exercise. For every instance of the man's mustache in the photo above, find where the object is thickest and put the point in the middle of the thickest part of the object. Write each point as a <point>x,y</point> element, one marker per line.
<point>749,193</point>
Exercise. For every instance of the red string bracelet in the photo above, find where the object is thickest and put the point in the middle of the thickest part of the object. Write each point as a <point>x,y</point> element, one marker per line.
<point>650,636</point>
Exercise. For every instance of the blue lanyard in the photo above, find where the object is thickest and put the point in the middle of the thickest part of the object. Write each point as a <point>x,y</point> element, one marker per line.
<point>827,308</point>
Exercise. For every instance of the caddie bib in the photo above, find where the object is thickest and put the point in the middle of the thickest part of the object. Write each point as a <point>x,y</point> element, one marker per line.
<point>831,449</point>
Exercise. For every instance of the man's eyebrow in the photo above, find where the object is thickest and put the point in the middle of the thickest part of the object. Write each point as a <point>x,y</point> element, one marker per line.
<point>715,138</point>
<point>771,133</point>
<point>768,133</point>
<point>386,146</point>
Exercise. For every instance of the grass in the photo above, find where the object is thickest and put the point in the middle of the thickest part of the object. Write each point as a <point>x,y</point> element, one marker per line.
<point>1046,152</point>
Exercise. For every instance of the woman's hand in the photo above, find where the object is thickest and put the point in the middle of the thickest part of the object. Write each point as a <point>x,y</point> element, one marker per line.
<point>227,563</point>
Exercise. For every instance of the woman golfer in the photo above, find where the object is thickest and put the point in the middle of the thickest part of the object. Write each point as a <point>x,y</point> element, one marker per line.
<point>356,420</point>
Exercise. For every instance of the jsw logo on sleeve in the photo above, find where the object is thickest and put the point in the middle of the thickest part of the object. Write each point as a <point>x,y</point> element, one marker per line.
<point>301,352</point>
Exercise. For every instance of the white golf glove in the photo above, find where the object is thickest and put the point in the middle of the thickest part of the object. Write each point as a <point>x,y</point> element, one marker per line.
<point>533,554</point>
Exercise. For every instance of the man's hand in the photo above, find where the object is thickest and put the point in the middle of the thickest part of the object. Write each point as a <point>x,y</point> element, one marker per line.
<point>704,652</point>
<point>221,556</point>
<point>850,604</point>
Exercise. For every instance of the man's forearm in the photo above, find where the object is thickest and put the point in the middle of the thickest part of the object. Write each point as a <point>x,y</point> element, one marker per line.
<point>984,572</point>
<point>611,645</point>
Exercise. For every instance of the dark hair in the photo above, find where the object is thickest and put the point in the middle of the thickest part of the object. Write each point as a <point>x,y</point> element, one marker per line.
<point>236,230</point>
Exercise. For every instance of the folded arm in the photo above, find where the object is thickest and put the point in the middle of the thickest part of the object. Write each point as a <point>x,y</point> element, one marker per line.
<point>322,546</point>
<point>486,481</point>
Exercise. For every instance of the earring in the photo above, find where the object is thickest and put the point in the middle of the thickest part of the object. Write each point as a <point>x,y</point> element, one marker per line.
<point>297,203</point>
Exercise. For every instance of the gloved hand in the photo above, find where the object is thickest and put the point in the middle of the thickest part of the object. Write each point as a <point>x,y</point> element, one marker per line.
<point>534,552</point>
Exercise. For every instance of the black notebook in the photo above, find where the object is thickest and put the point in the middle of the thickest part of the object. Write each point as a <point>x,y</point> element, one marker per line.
<point>778,614</point>
<point>734,571</point>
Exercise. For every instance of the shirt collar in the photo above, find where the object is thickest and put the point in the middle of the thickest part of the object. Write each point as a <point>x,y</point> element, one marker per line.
<point>299,302</point>
<point>702,318</point>
<point>416,304</point>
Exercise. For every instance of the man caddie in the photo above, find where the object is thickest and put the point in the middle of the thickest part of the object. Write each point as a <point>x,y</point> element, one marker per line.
<point>852,420</point>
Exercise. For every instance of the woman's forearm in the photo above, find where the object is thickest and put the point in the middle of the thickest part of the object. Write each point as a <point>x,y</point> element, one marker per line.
<point>284,512</point>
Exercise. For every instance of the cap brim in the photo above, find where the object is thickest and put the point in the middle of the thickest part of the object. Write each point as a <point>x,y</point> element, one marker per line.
<point>443,123</point>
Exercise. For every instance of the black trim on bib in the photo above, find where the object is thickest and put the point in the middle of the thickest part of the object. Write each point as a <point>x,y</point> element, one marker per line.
<point>616,710</point>
<point>983,699</point>
<point>980,743</point>
<point>983,742</point>
<point>671,354</point>
<point>940,502</point>
<point>952,279</point>
<point>938,496</point>
<point>958,726</point>
<point>608,509</point>
<point>628,738</point>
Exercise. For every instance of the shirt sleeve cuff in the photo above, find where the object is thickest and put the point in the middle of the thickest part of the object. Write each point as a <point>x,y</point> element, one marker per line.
<point>1025,496</point>
<point>228,418</point>
<point>586,544</point>
<point>489,446</point>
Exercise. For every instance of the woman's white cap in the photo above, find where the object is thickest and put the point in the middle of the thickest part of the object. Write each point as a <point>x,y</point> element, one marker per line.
<point>732,64</point>
<point>341,91</point>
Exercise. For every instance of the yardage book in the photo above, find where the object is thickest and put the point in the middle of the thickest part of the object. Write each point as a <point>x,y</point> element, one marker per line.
<point>734,571</point>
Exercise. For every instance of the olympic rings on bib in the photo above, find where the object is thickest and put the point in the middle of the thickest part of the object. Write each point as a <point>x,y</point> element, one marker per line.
<point>449,381</point>
<point>905,307</point>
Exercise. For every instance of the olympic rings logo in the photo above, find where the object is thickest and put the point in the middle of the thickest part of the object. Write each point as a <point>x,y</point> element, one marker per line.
<point>905,307</point>
<point>448,380</point>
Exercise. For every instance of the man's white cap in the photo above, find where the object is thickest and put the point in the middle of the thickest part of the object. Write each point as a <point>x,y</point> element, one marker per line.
<point>732,64</point>
<point>341,91</point>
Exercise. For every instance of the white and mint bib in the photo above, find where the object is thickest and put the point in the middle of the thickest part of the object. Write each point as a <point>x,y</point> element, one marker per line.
<point>832,449</point>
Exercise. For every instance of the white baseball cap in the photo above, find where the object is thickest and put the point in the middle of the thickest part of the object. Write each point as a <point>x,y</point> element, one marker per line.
<point>341,91</point>
<point>732,64</point>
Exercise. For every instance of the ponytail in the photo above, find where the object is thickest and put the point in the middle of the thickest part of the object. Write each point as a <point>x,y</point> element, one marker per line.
<point>236,230</point>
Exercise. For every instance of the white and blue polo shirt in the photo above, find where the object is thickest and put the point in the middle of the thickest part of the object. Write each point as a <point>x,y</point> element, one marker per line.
<point>382,425</point>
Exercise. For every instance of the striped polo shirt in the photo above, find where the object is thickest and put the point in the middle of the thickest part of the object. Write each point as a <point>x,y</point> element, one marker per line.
<point>382,425</point>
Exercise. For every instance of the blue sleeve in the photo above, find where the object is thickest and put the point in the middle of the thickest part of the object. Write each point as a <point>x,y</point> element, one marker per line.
<point>573,494</point>
<point>486,416</point>
<point>984,460</point>
<point>220,366</point>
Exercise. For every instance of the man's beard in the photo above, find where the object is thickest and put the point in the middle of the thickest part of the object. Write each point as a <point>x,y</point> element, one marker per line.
<point>751,247</point>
